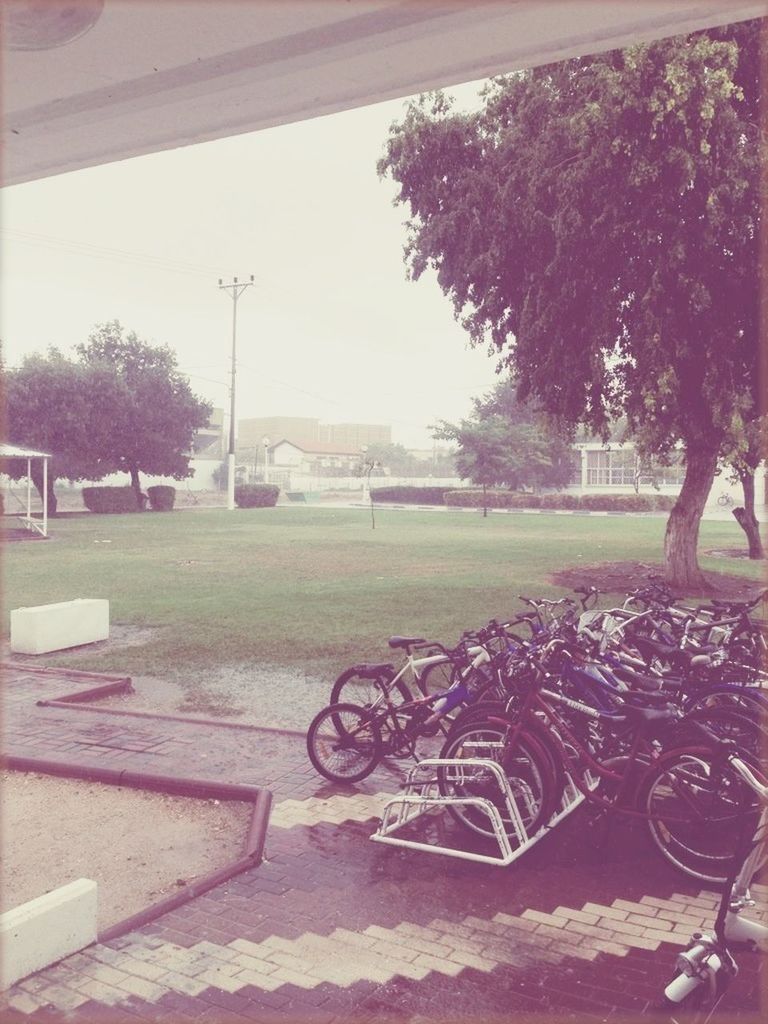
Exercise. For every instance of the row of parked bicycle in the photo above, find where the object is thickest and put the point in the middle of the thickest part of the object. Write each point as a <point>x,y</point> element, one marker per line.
<point>655,709</point>
<point>629,704</point>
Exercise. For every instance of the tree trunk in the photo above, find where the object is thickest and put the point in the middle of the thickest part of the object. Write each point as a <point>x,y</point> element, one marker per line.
<point>36,472</point>
<point>681,566</point>
<point>136,485</point>
<point>485,501</point>
<point>746,517</point>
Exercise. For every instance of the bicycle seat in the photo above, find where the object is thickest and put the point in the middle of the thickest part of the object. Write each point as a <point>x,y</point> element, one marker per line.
<point>405,641</point>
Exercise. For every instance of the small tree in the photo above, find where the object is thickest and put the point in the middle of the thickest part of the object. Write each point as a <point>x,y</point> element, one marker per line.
<point>151,429</point>
<point>60,407</point>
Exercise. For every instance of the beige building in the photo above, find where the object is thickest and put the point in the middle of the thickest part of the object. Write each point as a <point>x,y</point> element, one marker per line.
<point>303,431</point>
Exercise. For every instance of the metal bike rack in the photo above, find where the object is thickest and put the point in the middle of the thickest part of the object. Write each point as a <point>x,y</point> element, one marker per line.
<point>421,795</point>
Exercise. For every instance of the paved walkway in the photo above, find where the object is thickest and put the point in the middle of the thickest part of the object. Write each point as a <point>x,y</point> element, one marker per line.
<point>335,928</point>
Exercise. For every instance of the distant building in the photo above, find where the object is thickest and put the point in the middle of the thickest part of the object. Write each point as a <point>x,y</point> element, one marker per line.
<point>303,431</point>
<point>315,458</point>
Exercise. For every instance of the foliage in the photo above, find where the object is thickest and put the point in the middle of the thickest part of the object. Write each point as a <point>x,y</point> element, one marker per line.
<point>508,442</point>
<point>407,495</point>
<point>110,499</point>
<point>152,426</point>
<point>161,497</point>
<point>256,495</point>
<point>577,502</point>
<point>597,225</point>
<point>56,405</point>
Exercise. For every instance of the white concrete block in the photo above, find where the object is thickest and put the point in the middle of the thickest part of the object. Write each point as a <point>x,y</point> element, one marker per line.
<point>52,627</point>
<point>47,929</point>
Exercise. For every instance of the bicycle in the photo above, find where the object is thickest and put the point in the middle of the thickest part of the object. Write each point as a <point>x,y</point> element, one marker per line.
<point>707,967</point>
<point>346,741</point>
<point>725,500</point>
<point>627,769</point>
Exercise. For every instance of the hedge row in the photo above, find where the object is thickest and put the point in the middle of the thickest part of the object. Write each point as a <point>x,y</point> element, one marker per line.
<point>591,502</point>
<point>110,499</point>
<point>256,495</point>
<point>408,495</point>
<point>123,499</point>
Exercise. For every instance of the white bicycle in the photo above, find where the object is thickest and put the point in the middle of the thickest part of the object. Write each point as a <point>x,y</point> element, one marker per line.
<point>706,968</point>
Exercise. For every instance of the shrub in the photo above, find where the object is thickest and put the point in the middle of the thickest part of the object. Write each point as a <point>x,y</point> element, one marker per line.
<point>110,499</point>
<point>161,497</point>
<point>2,504</point>
<point>560,501</point>
<point>469,498</point>
<point>409,495</point>
<point>256,495</point>
<point>664,502</point>
<point>618,502</point>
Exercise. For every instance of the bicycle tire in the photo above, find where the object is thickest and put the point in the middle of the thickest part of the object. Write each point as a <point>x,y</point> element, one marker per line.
<point>695,816</point>
<point>525,766</point>
<point>352,687</point>
<point>729,723</point>
<point>348,753</point>
<point>436,678</point>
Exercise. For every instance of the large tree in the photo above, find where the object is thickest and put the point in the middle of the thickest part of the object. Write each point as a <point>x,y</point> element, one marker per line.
<point>597,224</point>
<point>152,427</point>
<point>56,405</point>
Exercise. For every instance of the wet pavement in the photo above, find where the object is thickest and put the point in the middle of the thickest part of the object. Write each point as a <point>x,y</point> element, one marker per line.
<point>332,927</point>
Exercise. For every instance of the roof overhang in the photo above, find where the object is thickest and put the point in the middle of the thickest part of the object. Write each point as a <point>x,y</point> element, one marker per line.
<point>12,451</point>
<point>150,76</point>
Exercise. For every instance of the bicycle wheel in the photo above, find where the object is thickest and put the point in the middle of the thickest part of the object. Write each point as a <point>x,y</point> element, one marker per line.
<point>697,813</point>
<point>436,678</point>
<point>524,764</point>
<point>726,722</point>
<point>354,688</point>
<point>344,743</point>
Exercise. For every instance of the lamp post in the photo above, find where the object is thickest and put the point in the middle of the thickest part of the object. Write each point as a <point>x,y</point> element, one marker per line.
<point>368,466</point>
<point>266,442</point>
<point>235,290</point>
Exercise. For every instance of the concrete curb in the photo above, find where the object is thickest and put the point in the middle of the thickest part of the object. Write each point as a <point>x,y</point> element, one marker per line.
<point>123,684</point>
<point>253,847</point>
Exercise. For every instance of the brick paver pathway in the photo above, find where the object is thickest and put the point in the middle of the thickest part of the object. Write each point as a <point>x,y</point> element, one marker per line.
<point>332,927</point>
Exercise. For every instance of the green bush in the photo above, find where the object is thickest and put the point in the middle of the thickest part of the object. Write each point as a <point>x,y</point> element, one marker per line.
<point>617,502</point>
<point>408,495</point>
<point>558,500</point>
<point>110,499</point>
<point>161,497</point>
<point>256,495</point>
<point>469,498</point>
<point>664,502</point>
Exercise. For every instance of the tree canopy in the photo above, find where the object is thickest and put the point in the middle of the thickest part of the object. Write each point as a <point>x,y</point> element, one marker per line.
<point>57,405</point>
<point>152,427</point>
<point>509,443</point>
<point>123,406</point>
<point>596,224</point>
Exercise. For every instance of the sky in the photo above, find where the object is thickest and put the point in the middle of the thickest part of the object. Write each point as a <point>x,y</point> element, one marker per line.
<point>331,329</point>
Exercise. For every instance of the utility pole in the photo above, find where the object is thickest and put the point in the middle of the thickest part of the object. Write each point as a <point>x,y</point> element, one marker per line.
<point>235,290</point>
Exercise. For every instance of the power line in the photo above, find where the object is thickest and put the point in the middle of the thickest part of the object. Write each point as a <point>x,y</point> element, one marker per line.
<point>106,253</point>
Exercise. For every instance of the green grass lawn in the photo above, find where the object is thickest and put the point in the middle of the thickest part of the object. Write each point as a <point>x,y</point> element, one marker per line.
<point>312,588</point>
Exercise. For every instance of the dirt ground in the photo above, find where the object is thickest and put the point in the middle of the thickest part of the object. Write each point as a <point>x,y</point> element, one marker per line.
<point>621,577</point>
<point>137,845</point>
